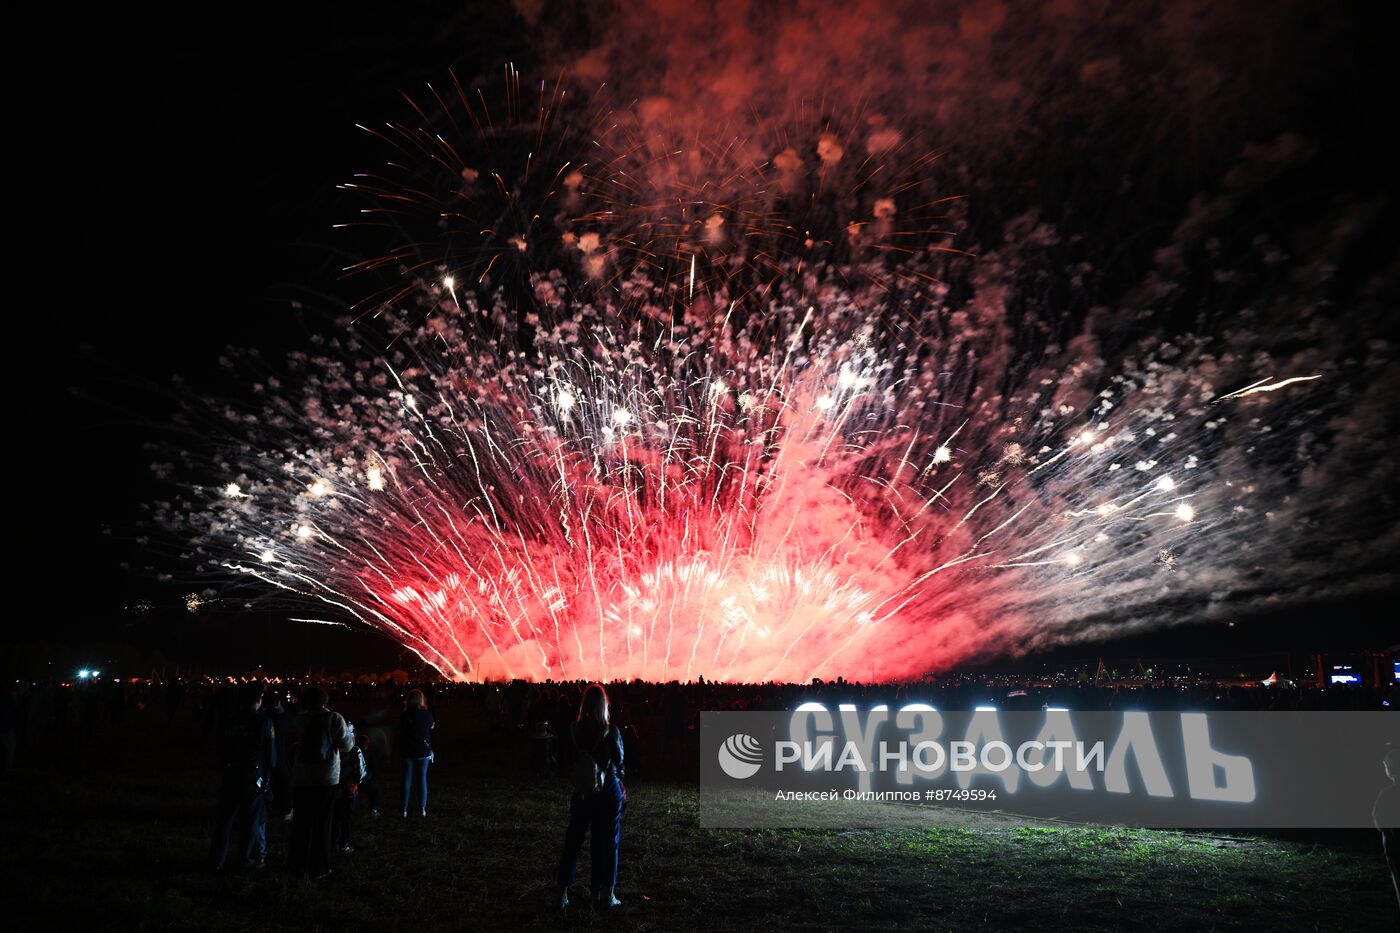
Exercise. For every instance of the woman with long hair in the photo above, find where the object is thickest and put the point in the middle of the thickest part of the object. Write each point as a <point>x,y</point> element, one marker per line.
<point>597,800</point>
<point>416,749</point>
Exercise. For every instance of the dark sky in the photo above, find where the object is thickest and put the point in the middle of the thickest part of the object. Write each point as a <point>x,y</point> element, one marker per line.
<point>189,165</point>
<point>183,189</point>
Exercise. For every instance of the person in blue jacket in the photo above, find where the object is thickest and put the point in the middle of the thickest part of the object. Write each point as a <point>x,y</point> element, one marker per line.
<point>597,800</point>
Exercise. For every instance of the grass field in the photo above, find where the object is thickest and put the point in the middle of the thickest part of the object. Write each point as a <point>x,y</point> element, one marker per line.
<point>114,835</point>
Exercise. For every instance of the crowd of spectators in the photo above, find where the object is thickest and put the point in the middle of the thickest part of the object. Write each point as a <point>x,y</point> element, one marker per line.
<point>88,706</point>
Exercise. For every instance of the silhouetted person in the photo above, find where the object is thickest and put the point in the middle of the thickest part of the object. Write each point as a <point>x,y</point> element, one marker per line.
<point>280,781</point>
<point>247,753</point>
<point>490,705</point>
<point>352,772</point>
<point>416,749</point>
<point>321,737</point>
<point>543,745</point>
<point>597,800</point>
<point>1386,815</point>
<point>369,785</point>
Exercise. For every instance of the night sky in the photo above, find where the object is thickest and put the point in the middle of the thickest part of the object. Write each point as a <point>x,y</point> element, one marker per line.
<point>184,201</point>
<point>195,207</point>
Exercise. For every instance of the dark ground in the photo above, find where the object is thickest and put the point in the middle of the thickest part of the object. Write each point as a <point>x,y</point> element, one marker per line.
<point>113,834</point>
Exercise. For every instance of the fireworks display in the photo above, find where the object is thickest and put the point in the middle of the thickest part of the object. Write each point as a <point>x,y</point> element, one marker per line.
<point>744,408</point>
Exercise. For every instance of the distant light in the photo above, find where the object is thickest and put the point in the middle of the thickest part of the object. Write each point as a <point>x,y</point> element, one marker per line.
<point>84,674</point>
<point>986,709</point>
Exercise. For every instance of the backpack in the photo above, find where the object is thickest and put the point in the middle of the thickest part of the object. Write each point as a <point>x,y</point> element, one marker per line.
<point>587,777</point>
<point>316,741</point>
<point>352,766</point>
